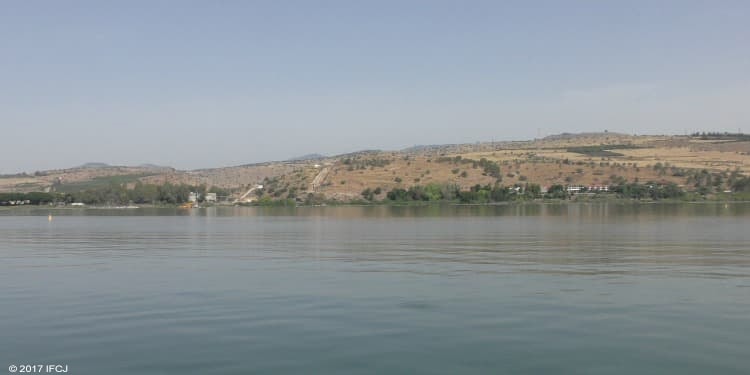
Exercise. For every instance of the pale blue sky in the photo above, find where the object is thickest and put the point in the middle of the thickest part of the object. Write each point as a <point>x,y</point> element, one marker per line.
<point>202,84</point>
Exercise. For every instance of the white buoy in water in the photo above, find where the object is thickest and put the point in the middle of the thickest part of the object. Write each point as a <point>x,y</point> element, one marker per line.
<point>49,217</point>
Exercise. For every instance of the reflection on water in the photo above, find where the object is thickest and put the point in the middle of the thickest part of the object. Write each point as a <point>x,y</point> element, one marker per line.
<point>602,210</point>
<point>596,288</point>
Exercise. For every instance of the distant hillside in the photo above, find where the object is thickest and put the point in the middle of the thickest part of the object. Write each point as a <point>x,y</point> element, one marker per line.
<point>358,153</point>
<point>154,166</point>
<point>98,165</point>
<point>427,148</point>
<point>580,159</point>
<point>94,165</point>
<point>568,136</point>
<point>307,157</point>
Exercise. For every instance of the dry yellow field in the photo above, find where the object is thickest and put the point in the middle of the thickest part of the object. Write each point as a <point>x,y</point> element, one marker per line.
<point>546,163</point>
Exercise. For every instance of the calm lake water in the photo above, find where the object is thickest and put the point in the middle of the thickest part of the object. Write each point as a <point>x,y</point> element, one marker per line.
<point>580,288</point>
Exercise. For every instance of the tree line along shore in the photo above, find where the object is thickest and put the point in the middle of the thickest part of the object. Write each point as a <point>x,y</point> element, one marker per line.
<point>168,194</point>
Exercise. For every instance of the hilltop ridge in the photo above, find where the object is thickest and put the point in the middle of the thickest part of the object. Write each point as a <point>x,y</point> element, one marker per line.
<point>586,159</point>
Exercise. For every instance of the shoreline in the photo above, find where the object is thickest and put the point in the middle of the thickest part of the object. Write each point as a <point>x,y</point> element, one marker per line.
<point>383,204</point>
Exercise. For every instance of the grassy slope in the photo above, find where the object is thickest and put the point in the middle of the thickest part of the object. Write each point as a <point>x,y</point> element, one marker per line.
<point>99,182</point>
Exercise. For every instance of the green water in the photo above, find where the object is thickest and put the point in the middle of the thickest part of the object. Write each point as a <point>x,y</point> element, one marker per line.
<point>597,289</point>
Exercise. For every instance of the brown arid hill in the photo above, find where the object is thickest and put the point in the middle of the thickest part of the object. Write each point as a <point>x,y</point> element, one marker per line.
<point>569,159</point>
<point>74,177</point>
<point>227,178</point>
<point>548,161</point>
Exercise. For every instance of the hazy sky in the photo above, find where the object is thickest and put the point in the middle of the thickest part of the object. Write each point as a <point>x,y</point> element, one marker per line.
<point>217,83</point>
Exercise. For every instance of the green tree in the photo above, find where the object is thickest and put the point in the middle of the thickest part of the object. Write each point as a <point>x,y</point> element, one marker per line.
<point>557,192</point>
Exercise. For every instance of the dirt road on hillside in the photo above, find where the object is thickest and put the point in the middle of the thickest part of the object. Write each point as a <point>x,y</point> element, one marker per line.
<point>319,178</point>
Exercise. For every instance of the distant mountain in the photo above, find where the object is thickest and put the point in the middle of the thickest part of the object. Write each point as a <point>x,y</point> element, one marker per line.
<point>308,157</point>
<point>358,153</point>
<point>582,135</point>
<point>94,165</point>
<point>154,166</point>
<point>422,148</point>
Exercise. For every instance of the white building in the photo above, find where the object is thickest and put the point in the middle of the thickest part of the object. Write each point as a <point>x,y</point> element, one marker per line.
<point>210,197</point>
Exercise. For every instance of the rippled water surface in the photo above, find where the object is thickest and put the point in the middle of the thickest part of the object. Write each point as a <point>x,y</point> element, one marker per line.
<point>598,289</point>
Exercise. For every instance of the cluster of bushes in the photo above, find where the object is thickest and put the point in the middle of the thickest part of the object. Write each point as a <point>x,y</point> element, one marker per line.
<point>8,199</point>
<point>117,194</point>
<point>706,182</point>
<point>648,191</point>
<point>500,193</point>
<point>430,192</point>
<point>740,184</point>
<point>356,163</point>
<point>489,167</point>
<point>141,193</point>
<point>476,194</point>
<point>722,136</point>
<point>369,194</point>
<point>277,188</point>
<point>599,151</point>
<point>557,192</point>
